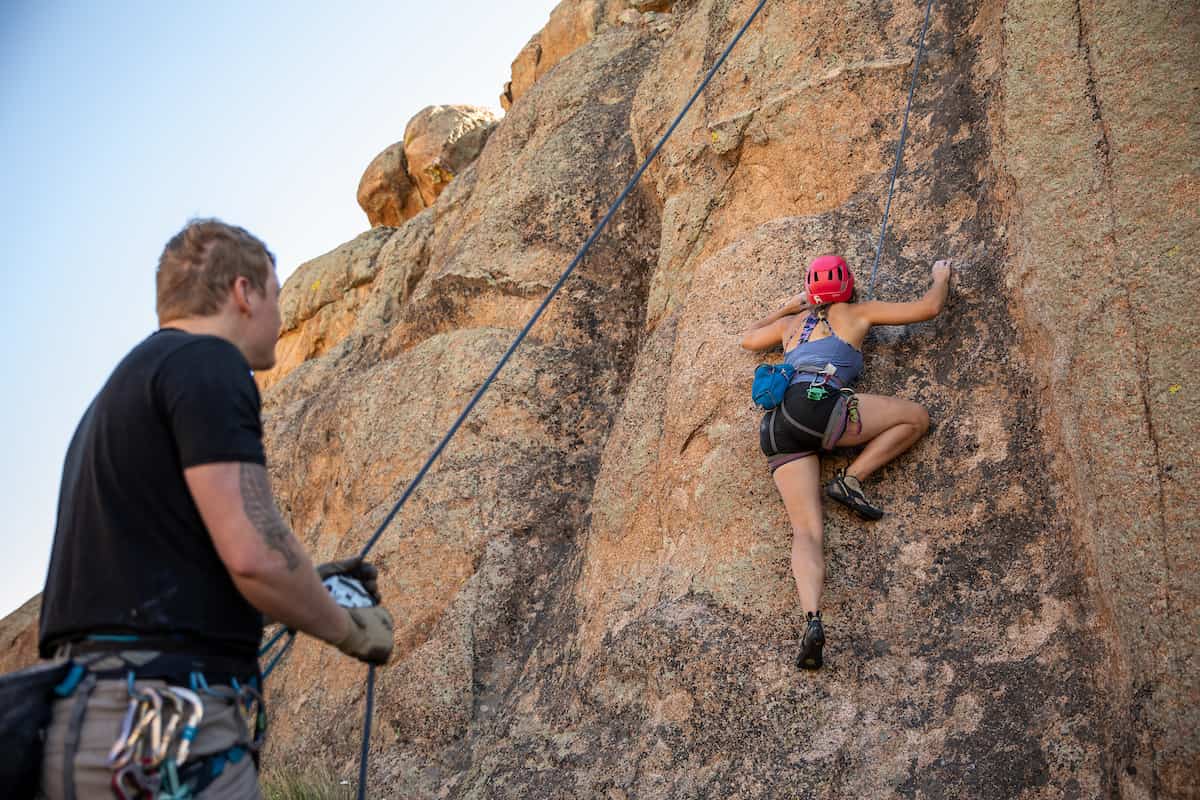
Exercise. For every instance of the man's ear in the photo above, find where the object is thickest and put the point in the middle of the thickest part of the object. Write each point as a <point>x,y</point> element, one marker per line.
<point>240,292</point>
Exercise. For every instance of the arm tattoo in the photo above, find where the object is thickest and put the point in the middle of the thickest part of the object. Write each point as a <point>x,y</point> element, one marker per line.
<point>260,508</point>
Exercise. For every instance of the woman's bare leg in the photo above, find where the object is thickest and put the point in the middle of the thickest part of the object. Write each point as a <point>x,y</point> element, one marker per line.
<point>889,427</point>
<point>799,483</point>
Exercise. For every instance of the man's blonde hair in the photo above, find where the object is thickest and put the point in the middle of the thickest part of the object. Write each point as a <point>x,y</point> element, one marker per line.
<point>198,266</point>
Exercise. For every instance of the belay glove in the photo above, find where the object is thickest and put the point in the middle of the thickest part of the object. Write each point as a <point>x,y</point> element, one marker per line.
<point>370,635</point>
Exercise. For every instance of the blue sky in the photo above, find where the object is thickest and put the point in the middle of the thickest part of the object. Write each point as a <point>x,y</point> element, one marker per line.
<point>119,121</point>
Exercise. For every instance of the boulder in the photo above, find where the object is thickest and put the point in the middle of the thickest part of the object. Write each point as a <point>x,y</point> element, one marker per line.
<point>439,143</point>
<point>386,192</point>
<point>442,141</point>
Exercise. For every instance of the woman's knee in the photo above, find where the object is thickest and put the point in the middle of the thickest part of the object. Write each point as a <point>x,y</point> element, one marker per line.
<point>806,535</point>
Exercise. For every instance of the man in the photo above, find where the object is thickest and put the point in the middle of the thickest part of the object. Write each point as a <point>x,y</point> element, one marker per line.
<point>169,543</point>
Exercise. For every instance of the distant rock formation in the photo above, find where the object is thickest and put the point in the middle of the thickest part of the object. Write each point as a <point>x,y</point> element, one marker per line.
<point>18,636</point>
<point>386,191</point>
<point>439,143</point>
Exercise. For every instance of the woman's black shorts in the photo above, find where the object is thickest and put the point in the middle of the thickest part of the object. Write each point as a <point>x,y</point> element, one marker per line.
<point>799,427</point>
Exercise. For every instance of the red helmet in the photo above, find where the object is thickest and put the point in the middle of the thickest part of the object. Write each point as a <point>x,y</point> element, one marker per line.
<point>829,280</point>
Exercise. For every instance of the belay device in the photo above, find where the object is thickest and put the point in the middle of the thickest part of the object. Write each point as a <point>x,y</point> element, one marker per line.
<point>348,592</point>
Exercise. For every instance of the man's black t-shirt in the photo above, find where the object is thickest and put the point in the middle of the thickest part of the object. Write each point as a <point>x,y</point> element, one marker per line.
<point>131,553</point>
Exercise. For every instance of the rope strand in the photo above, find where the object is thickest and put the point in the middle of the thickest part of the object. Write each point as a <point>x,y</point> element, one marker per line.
<point>362,779</point>
<point>441,445</point>
<point>437,451</point>
<point>899,151</point>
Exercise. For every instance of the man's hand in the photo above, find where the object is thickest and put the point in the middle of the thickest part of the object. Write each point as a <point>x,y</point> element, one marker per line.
<point>369,638</point>
<point>356,568</point>
<point>369,634</point>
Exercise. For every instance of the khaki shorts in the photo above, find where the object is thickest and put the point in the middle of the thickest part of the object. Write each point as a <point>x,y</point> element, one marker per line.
<point>222,727</point>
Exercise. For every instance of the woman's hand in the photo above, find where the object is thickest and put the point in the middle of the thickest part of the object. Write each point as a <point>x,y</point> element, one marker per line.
<point>796,303</point>
<point>941,270</point>
<point>769,331</point>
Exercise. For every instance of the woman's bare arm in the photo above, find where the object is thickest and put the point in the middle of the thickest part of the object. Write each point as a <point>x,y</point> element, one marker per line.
<point>875,312</point>
<point>769,331</point>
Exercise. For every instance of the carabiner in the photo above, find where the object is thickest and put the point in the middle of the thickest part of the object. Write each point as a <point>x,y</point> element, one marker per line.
<point>193,721</point>
<point>150,719</point>
<point>118,747</point>
<point>168,734</point>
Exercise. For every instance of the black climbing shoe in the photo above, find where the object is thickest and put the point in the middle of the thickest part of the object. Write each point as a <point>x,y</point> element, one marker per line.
<point>848,491</point>
<point>812,643</point>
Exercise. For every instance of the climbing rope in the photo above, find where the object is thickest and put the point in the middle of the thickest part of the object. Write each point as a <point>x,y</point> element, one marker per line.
<point>362,774</point>
<point>899,150</point>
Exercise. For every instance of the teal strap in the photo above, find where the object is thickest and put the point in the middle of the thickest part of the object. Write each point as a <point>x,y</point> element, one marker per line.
<point>71,682</point>
<point>231,756</point>
<point>198,682</point>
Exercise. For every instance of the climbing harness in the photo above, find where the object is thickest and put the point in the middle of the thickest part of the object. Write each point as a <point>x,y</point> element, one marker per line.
<point>801,425</point>
<point>814,413</point>
<point>550,295</point>
<point>151,755</point>
<point>899,149</point>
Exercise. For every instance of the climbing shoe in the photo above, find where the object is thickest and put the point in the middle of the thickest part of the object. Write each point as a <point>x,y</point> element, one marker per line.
<point>848,491</point>
<point>812,643</point>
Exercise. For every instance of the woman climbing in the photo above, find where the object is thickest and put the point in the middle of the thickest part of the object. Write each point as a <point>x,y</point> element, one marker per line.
<point>819,412</point>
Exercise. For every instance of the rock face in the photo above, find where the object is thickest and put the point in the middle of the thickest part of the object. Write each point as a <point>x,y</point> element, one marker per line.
<point>573,23</point>
<point>1099,167</point>
<point>439,143</point>
<point>18,636</point>
<point>612,615</point>
<point>591,587</point>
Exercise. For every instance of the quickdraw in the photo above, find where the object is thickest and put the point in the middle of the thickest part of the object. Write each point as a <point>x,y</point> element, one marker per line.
<point>156,722</point>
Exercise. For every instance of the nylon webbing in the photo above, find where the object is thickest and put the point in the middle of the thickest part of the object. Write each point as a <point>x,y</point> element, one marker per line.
<point>437,451</point>
<point>899,150</point>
